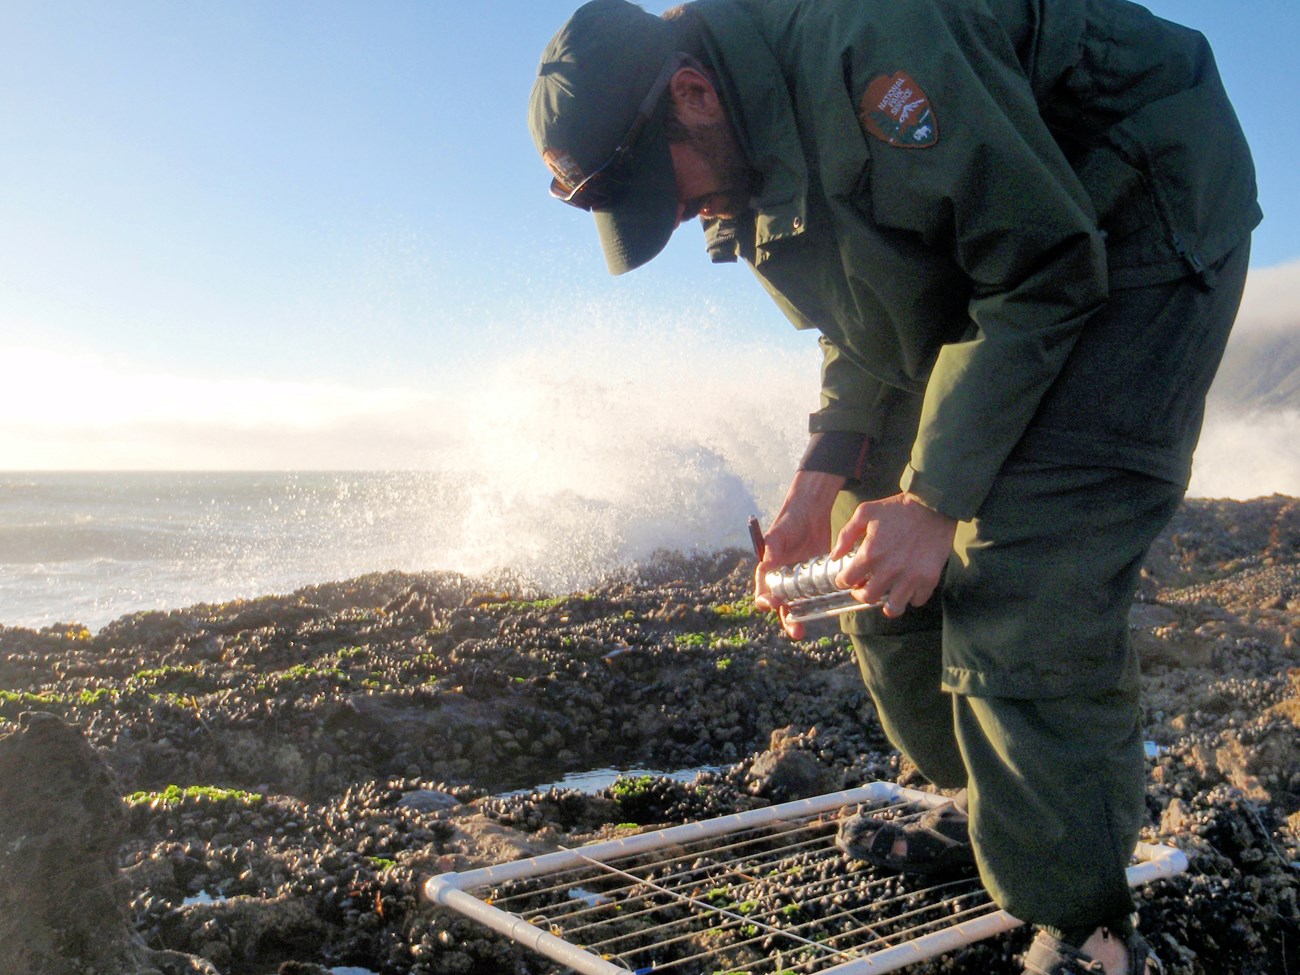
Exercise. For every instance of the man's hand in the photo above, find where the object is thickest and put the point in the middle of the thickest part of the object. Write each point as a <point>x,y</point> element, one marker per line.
<point>904,547</point>
<point>800,531</point>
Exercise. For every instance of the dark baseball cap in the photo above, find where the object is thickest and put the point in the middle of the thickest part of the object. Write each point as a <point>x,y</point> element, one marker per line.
<point>596,114</point>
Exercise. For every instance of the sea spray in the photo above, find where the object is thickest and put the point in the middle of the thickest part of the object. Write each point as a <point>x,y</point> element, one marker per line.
<point>596,451</point>
<point>560,463</point>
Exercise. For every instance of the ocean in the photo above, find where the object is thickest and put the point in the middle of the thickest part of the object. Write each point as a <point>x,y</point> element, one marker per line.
<point>88,547</point>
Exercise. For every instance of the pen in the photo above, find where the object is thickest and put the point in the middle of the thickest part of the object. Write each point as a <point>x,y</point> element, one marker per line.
<point>756,536</point>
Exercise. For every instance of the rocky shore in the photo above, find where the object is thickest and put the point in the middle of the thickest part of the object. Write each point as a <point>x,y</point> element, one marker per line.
<point>259,786</point>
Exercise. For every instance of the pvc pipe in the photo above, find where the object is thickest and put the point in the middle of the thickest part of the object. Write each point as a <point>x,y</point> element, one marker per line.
<point>520,931</point>
<point>644,842</point>
<point>927,946</point>
<point>449,889</point>
<point>1161,861</point>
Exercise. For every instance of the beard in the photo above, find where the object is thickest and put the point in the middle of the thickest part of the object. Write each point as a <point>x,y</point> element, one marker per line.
<point>718,146</point>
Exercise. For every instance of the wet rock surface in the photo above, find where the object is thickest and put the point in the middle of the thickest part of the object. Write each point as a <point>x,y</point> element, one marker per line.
<point>63,900</point>
<point>294,765</point>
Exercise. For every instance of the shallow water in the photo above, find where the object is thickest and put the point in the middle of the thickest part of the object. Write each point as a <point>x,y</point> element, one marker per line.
<point>593,780</point>
<point>203,897</point>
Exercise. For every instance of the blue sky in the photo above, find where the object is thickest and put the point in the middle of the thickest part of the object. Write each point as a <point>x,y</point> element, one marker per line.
<point>239,220</point>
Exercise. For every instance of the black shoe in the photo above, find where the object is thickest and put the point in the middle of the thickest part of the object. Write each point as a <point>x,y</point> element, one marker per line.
<point>936,843</point>
<point>1050,955</point>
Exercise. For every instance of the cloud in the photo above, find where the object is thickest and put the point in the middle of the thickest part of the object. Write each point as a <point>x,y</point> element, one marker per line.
<point>1247,456</point>
<point>82,411</point>
<point>1271,300</point>
<point>594,410</point>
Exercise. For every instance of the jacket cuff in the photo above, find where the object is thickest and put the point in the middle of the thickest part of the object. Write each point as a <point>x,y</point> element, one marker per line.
<point>960,505</point>
<point>841,452</point>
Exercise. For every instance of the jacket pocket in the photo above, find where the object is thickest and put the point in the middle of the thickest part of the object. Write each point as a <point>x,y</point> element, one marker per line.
<point>1192,155</point>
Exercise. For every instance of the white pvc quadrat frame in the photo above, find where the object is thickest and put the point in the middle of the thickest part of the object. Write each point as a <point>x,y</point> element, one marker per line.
<point>452,890</point>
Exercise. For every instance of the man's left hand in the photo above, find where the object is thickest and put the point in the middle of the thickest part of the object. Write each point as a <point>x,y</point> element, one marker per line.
<point>904,547</point>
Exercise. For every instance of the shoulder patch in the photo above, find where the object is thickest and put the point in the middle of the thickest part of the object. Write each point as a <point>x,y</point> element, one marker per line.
<point>896,110</point>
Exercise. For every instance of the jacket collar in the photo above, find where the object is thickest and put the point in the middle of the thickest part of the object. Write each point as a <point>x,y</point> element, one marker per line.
<point>760,108</point>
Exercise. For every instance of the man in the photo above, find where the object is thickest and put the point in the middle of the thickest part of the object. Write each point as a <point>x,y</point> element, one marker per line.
<point>1022,229</point>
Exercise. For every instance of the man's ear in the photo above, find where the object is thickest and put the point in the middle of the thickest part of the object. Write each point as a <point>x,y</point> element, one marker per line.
<point>694,97</point>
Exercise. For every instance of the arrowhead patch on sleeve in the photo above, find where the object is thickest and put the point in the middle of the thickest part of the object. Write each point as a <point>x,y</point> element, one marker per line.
<point>896,110</point>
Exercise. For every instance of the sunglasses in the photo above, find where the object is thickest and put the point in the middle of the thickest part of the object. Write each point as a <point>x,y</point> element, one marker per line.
<point>607,182</point>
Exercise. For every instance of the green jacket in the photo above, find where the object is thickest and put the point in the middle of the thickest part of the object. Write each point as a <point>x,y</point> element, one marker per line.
<point>950,189</point>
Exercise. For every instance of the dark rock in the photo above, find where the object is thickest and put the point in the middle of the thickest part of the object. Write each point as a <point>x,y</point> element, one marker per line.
<point>63,904</point>
<point>62,909</point>
<point>788,769</point>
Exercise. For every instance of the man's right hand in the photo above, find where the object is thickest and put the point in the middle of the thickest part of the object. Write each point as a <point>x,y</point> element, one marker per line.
<point>800,531</point>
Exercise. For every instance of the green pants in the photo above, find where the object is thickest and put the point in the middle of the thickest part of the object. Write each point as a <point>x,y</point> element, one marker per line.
<point>1045,575</point>
<point>1017,680</point>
